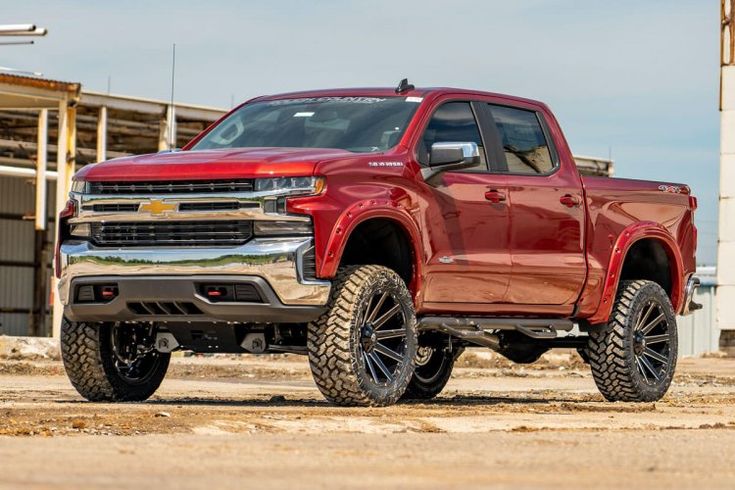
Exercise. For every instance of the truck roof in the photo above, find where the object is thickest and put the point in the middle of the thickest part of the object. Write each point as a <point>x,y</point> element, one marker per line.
<point>391,92</point>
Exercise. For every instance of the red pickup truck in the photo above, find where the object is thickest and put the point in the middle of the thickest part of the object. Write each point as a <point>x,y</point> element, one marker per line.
<point>380,232</point>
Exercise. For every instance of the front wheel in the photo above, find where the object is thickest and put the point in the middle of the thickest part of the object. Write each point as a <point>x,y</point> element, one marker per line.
<point>633,358</point>
<point>112,363</point>
<point>361,350</point>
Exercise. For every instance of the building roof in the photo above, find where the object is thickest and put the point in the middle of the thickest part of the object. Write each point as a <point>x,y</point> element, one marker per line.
<point>145,105</point>
<point>24,92</point>
<point>42,83</point>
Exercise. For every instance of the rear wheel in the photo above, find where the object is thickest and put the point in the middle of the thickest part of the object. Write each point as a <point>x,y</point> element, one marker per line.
<point>633,358</point>
<point>107,362</point>
<point>433,368</point>
<point>361,350</point>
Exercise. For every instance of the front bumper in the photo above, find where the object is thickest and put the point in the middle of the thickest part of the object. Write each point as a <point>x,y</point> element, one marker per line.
<point>274,266</point>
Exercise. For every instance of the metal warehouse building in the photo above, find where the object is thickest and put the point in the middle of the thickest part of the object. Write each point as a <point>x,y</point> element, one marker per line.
<point>50,128</point>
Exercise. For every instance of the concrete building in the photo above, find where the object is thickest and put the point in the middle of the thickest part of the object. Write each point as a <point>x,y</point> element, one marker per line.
<point>726,236</point>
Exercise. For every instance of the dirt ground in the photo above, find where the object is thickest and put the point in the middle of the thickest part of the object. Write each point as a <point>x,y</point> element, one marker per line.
<point>228,422</point>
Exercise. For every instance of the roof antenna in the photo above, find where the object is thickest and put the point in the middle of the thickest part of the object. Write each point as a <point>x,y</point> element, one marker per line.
<point>404,86</point>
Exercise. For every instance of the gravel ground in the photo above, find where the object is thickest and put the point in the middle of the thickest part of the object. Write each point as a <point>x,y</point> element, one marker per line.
<point>228,422</point>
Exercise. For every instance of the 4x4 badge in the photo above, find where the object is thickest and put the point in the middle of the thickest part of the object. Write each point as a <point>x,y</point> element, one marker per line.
<point>156,206</point>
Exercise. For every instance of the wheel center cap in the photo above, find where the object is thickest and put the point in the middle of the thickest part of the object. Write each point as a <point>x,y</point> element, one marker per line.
<point>368,338</point>
<point>640,343</point>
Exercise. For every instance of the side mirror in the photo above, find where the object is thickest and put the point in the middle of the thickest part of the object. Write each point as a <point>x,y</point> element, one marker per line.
<point>450,153</point>
<point>451,156</point>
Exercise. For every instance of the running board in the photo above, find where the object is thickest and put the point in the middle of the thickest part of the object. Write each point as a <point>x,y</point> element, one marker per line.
<point>481,331</point>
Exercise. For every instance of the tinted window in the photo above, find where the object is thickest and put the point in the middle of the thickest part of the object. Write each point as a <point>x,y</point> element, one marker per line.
<point>523,140</point>
<point>452,122</point>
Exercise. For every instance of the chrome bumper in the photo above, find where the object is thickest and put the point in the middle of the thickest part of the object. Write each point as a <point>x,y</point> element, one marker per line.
<point>278,261</point>
<point>689,305</point>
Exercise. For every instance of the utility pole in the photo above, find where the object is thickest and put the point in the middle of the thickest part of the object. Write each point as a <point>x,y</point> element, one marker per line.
<point>726,235</point>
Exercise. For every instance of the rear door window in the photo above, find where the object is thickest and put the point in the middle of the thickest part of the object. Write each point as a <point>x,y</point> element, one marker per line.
<point>523,140</point>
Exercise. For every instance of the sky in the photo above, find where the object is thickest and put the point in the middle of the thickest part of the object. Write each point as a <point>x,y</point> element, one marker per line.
<point>635,80</point>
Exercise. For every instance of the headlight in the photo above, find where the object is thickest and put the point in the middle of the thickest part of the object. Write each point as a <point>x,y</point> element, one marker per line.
<point>78,186</point>
<point>291,185</point>
<point>279,188</point>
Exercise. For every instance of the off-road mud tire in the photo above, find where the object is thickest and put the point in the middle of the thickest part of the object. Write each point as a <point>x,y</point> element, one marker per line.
<point>86,350</point>
<point>333,344</point>
<point>611,349</point>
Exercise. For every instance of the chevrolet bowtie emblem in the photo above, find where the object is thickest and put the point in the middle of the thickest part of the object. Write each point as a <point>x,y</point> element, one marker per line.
<point>156,206</point>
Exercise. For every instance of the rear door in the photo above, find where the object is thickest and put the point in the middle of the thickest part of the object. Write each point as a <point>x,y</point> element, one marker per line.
<point>466,217</point>
<point>546,210</point>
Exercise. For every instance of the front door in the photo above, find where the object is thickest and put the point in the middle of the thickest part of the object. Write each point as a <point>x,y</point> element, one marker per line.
<point>466,219</point>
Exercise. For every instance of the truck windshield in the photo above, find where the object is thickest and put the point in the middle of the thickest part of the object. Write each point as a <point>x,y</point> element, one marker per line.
<point>357,124</point>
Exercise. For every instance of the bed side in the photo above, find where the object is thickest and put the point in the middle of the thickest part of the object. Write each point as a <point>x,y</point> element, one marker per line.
<point>624,217</point>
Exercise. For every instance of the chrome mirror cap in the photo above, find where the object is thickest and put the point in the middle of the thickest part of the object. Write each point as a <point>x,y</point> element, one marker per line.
<point>469,149</point>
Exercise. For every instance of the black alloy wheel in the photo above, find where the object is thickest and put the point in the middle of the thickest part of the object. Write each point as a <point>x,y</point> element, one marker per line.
<point>434,363</point>
<point>383,337</point>
<point>135,357</point>
<point>652,342</point>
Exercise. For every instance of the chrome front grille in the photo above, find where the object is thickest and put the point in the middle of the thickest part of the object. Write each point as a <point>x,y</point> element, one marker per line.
<point>178,233</point>
<point>214,206</point>
<point>113,208</point>
<point>172,187</point>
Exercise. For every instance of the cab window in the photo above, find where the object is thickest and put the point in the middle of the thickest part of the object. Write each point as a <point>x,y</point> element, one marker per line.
<point>453,122</point>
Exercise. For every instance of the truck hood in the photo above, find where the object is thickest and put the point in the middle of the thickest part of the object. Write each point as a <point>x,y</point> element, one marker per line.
<point>212,164</point>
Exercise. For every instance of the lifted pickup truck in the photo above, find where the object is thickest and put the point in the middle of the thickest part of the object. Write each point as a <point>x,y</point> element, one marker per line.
<point>380,232</point>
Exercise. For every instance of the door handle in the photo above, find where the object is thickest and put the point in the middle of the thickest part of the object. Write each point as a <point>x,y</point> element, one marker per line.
<point>570,201</point>
<point>495,196</point>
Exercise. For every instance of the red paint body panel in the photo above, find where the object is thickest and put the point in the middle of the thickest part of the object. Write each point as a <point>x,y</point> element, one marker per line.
<point>210,164</point>
<point>553,247</point>
<point>622,211</point>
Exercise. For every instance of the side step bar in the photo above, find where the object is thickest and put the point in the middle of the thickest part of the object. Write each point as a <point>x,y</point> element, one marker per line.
<point>481,331</point>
